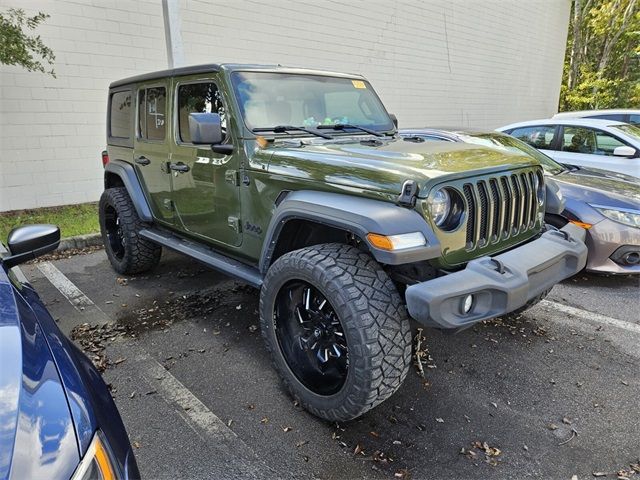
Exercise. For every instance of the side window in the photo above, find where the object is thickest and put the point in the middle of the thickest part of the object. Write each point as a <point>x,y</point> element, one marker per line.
<point>634,119</point>
<point>540,136</point>
<point>198,98</point>
<point>587,140</point>
<point>120,115</point>
<point>606,143</point>
<point>152,105</point>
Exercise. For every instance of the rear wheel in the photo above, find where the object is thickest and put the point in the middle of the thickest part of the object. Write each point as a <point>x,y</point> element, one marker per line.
<point>120,225</point>
<point>336,328</point>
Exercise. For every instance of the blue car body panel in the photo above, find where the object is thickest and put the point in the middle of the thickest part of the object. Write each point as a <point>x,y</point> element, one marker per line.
<point>52,399</point>
<point>39,427</point>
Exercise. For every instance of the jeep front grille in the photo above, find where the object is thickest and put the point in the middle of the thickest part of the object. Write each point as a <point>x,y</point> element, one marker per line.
<point>499,208</point>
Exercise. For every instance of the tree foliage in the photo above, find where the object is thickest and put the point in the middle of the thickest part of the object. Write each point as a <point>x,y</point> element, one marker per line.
<point>602,63</point>
<point>18,46</point>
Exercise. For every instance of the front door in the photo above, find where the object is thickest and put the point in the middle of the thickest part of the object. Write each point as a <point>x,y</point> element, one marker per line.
<point>151,149</point>
<point>205,187</point>
<point>591,147</point>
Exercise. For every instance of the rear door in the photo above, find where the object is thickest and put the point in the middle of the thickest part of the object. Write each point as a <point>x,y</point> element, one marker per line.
<point>151,148</point>
<point>205,185</point>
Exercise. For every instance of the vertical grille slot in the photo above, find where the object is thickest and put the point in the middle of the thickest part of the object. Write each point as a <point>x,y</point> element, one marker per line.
<point>517,204</point>
<point>484,214</point>
<point>508,206</point>
<point>471,221</point>
<point>497,210</point>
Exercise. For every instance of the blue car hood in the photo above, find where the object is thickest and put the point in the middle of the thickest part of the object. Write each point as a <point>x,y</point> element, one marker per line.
<point>37,433</point>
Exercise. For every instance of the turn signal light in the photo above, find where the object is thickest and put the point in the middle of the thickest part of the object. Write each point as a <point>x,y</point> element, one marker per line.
<point>397,242</point>
<point>105,158</point>
<point>584,225</point>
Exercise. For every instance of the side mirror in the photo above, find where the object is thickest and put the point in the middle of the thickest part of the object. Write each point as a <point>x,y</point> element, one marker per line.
<point>31,241</point>
<point>205,128</point>
<point>394,119</point>
<point>624,151</point>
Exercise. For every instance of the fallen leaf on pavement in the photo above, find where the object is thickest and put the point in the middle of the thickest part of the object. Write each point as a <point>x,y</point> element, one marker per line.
<point>286,429</point>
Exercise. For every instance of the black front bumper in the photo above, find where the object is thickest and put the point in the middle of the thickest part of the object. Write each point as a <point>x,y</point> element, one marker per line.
<point>499,284</point>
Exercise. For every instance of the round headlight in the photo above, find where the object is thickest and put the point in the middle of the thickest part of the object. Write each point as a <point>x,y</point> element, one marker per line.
<point>440,206</point>
<point>538,185</point>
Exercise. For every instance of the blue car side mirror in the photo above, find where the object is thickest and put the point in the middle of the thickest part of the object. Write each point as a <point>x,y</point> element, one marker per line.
<point>31,241</point>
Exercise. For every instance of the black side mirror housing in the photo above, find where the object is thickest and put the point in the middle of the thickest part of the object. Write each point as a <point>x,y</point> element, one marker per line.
<point>394,119</point>
<point>29,242</point>
<point>205,128</point>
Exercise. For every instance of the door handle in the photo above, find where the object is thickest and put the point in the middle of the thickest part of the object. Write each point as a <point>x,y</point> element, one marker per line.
<point>142,160</point>
<point>179,167</point>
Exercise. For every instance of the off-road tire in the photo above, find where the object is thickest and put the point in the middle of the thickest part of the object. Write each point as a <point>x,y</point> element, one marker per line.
<point>534,301</point>
<point>140,255</point>
<point>373,317</point>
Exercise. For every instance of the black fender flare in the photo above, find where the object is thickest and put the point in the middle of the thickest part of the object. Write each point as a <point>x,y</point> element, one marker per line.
<point>127,174</point>
<point>357,215</point>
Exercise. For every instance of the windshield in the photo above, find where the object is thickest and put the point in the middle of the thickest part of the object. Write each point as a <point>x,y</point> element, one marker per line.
<point>277,99</point>
<point>513,145</point>
<point>632,130</point>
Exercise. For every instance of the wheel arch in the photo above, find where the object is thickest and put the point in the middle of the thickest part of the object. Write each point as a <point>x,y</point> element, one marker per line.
<point>327,215</point>
<point>119,173</point>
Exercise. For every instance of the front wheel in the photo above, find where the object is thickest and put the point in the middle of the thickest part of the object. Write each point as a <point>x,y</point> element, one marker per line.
<point>336,328</point>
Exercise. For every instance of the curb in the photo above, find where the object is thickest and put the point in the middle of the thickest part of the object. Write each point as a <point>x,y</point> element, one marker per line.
<point>80,241</point>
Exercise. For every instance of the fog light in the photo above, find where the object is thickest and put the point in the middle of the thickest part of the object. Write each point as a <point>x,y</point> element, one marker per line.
<point>466,304</point>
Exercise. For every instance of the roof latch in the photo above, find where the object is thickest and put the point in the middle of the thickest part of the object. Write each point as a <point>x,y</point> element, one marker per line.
<point>408,194</point>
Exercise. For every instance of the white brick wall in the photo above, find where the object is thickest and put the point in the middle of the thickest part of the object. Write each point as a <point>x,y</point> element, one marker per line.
<point>437,62</point>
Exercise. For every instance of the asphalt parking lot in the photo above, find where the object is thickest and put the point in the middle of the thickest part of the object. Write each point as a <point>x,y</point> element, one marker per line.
<point>552,394</point>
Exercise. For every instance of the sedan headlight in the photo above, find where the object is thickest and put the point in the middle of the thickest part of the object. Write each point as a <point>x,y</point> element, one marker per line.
<point>97,462</point>
<point>625,216</point>
<point>440,205</point>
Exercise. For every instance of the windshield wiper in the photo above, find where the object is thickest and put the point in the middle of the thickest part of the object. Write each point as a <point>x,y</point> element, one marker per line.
<point>286,128</point>
<point>343,126</point>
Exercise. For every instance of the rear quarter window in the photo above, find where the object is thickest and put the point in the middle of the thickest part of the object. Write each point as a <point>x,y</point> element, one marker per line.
<point>120,115</point>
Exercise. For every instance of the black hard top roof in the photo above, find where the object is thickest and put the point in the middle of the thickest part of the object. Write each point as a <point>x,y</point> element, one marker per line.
<point>216,67</point>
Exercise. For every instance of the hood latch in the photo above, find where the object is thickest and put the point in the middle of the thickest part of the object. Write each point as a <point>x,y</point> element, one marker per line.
<point>408,194</point>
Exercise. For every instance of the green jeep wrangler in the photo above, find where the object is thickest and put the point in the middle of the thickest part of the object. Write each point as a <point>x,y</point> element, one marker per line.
<point>296,182</point>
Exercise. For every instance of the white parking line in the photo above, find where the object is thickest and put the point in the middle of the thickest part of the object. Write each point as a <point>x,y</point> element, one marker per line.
<point>65,286</point>
<point>592,316</point>
<point>187,405</point>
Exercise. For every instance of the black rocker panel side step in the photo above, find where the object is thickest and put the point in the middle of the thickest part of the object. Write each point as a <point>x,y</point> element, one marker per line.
<point>206,256</point>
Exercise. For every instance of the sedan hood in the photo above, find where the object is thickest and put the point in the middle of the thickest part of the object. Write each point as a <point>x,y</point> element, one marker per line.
<point>37,436</point>
<point>600,187</point>
<point>386,164</point>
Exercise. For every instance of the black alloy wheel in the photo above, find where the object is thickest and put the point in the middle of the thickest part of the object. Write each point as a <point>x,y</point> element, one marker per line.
<point>311,337</point>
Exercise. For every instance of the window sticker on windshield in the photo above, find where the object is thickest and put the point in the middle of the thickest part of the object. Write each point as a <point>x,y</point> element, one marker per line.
<point>358,84</point>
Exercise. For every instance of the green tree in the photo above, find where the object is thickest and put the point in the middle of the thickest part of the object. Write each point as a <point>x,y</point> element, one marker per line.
<point>602,64</point>
<point>18,46</point>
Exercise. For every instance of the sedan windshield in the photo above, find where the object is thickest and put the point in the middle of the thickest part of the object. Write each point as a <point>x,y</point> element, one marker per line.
<point>632,130</point>
<point>513,145</point>
<point>269,100</point>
